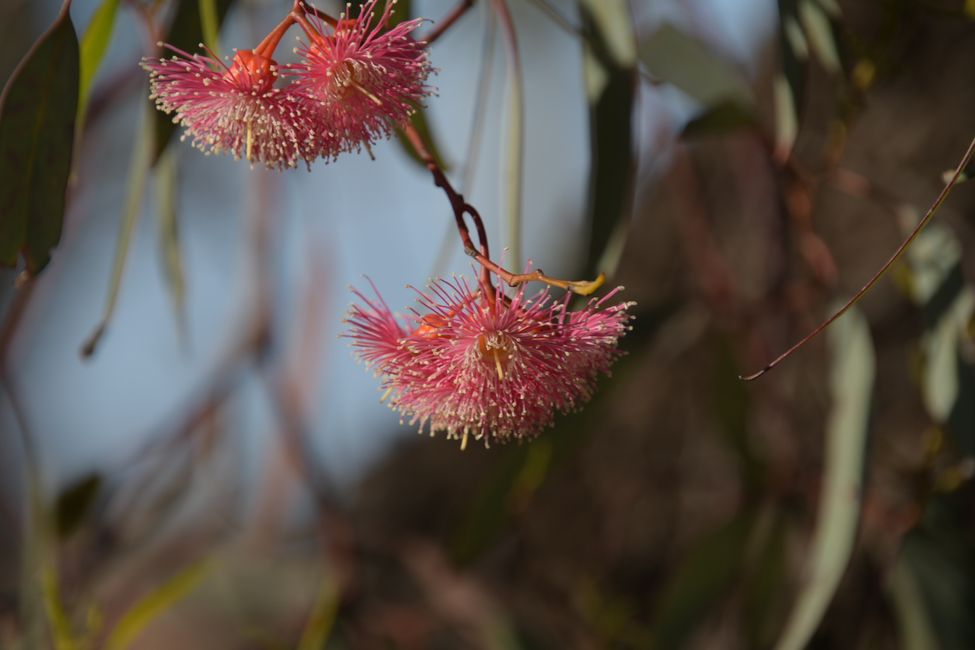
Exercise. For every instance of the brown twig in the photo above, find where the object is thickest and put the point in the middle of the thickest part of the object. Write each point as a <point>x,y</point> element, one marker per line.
<point>461,209</point>
<point>448,21</point>
<point>928,215</point>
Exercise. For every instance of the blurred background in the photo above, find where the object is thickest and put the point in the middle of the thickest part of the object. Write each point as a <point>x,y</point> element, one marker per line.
<point>190,457</point>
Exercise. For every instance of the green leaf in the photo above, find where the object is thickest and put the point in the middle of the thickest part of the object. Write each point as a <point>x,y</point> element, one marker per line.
<point>138,175</point>
<point>167,220</point>
<point>788,90</point>
<point>185,33</point>
<point>722,118</point>
<point>936,558</point>
<point>611,78</point>
<point>936,282</point>
<point>210,24</point>
<point>322,619</point>
<point>74,504</point>
<point>57,617</point>
<point>851,383</point>
<point>37,122</point>
<point>422,126</point>
<point>672,56</point>
<point>513,164</point>
<point>703,578</point>
<point>94,44</point>
<point>155,603</point>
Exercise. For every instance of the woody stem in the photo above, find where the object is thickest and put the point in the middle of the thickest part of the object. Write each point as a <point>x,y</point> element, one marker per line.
<point>482,255</point>
<point>270,43</point>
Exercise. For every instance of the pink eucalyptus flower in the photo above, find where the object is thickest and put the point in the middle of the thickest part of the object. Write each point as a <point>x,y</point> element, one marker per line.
<point>494,371</point>
<point>362,81</point>
<point>234,109</point>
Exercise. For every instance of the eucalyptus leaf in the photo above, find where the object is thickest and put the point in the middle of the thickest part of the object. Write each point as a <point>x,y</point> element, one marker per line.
<point>611,78</point>
<point>851,389</point>
<point>675,57</point>
<point>37,124</point>
<point>157,602</point>
<point>75,502</point>
<point>186,32</point>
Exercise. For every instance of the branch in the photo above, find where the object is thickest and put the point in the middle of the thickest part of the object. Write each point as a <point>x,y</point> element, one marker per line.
<point>883,269</point>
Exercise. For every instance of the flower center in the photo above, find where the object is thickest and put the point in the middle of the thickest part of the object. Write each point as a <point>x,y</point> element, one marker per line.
<point>253,70</point>
<point>496,349</point>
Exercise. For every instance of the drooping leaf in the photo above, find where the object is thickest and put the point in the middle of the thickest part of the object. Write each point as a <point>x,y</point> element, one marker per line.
<point>935,282</point>
<point>322,619</point>
<point>851,388</point>
<point>722,118</point>
<point>138,617</point>
<point>186,33</point>
<point>673,56</point>
<point>611,78</point>
<point>210,24</point>
<point>37,123</point>
<point>138,176</point>
<point>422,127</point>
<point>936,558</point>
<point>167,220</point>
<point>807,29</point>
<point>94,44</point>
<point>513,163</point>
<point>74,504</point>
<point>702,579</point>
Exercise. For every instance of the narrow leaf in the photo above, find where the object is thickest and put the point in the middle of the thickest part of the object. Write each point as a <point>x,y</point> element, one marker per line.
<point>94,44</point>
<point>851,382</point>
<point>138,175</point>
<point>210,24</point>
<point>673,56</point>
<point>322,618</point>
<point>610,74</point>
<point>722,118</point>
<point>422,126</point>
<point>74,504</point>
<point>512,166</point>
<point>155,603</point>
<point>185,33</point>
<point>37,123</point>
<point>167,219</point>
<point>703,577</point>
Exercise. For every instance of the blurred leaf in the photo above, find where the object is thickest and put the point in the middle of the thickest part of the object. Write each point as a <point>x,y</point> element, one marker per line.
<point>703,578</point>
<point>37,122</point>
<point>513,165</point>
<point>138,174</point>
<point>185,33</point>
<point>610,74</point>
<point>936,557</point>
<point>730,406</point>
<point>155,603</point>
<point>75,502</point>
<point>763,606</point>
<point>806,28</point>
<point>851,383</point>
<point>819,30</point>
<point>210,24</point>
<point>936,282</point>
<point>167,218</point>
<point>422,126</point>
<point>916,632</point>
<point>322,618</point>
<point>720,119</point>
<point>94,44</point>
<point>790,83</point>
<point>673,56</point>
<point>60,624</point>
